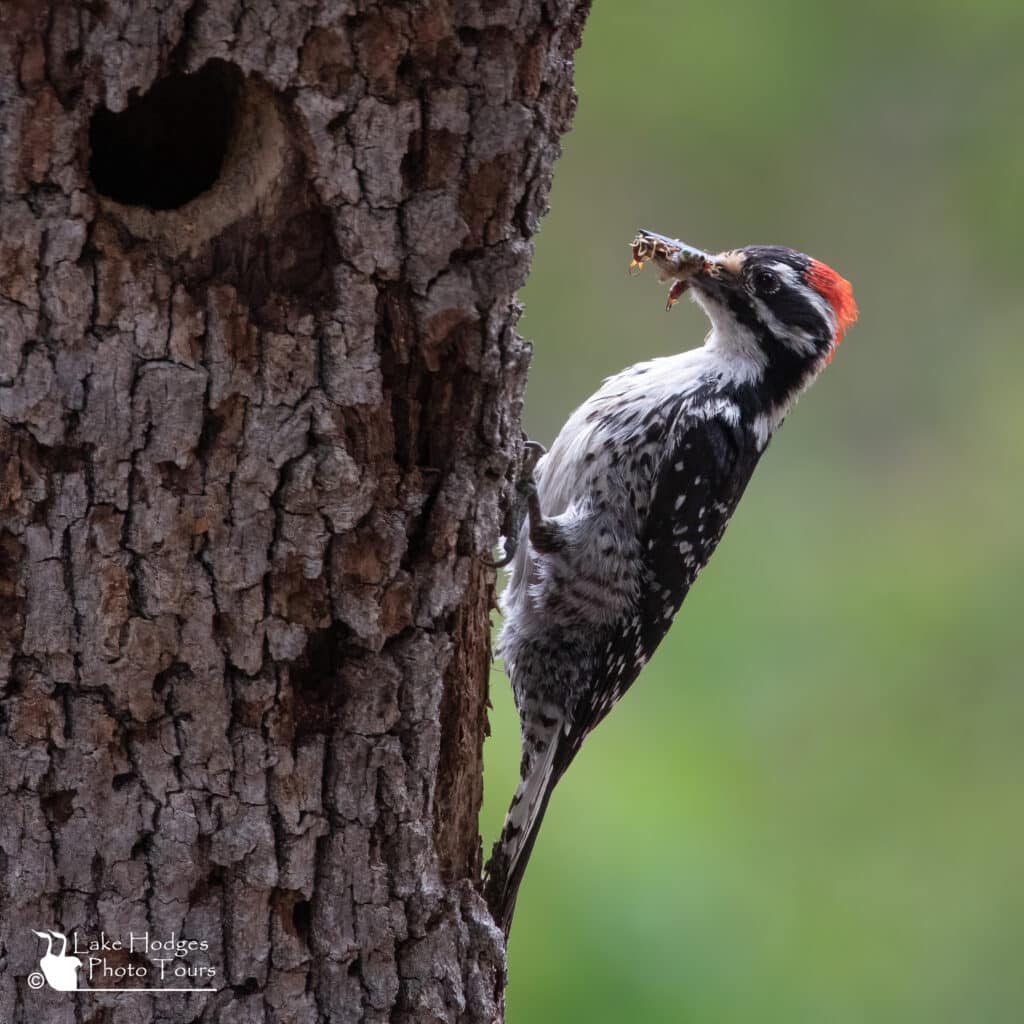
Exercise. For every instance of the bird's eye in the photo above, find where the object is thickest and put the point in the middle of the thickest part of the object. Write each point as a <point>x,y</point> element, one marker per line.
<point>765,282</point>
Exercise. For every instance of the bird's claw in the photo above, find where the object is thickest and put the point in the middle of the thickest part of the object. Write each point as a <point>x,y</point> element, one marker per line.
<point>533,451</point>
<point>498,563</point>
<point>525,491</point>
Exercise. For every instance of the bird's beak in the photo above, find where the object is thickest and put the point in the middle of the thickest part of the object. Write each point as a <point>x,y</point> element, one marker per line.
<point>675,260</point>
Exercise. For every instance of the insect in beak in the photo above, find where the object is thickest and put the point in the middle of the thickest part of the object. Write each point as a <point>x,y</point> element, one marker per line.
<point>675,260</point>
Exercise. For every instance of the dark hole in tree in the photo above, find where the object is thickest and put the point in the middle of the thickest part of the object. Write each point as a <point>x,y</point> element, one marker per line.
<point>302,918</point>
<point>167,147</point>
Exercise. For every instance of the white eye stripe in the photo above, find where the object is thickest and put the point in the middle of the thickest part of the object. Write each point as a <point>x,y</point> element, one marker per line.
<point>787,273</point>
<point>795,280</point>
<point>823,308</point>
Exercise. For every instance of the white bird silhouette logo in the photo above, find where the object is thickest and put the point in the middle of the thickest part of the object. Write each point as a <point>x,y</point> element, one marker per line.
<point>60,970</point>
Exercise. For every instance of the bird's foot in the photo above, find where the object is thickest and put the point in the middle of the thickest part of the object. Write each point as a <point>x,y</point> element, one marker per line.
<point>523,498</point>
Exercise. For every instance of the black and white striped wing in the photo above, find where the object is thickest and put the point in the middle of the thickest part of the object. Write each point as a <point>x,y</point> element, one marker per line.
<point>698,483</point>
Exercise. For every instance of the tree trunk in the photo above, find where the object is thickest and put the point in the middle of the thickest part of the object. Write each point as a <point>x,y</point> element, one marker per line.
<point>259,400</point>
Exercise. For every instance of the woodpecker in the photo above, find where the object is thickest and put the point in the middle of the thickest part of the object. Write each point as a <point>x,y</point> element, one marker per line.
<point>630,502</point>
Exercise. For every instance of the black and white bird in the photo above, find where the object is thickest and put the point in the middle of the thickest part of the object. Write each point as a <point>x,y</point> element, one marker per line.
<point>630,502</point>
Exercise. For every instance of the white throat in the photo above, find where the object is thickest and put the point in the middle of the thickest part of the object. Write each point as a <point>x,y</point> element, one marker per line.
<point>735,346</point>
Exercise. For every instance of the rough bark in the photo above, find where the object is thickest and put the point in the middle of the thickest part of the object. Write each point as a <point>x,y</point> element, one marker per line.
<point>252,447</point>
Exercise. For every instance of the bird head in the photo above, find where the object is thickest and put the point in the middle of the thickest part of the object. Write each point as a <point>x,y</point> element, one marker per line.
<point>769,305</point>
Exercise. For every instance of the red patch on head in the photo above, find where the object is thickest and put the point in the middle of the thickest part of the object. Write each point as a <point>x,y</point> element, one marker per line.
<point>837,293</point>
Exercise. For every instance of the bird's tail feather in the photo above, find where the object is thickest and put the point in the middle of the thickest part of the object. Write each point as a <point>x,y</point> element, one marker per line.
<point>505,869</point>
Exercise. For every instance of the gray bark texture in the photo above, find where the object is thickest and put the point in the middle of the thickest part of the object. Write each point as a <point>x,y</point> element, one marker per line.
<point>253,445</point>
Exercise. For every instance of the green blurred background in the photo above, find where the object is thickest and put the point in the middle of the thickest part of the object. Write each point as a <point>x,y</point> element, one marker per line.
<point>811,805</point>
